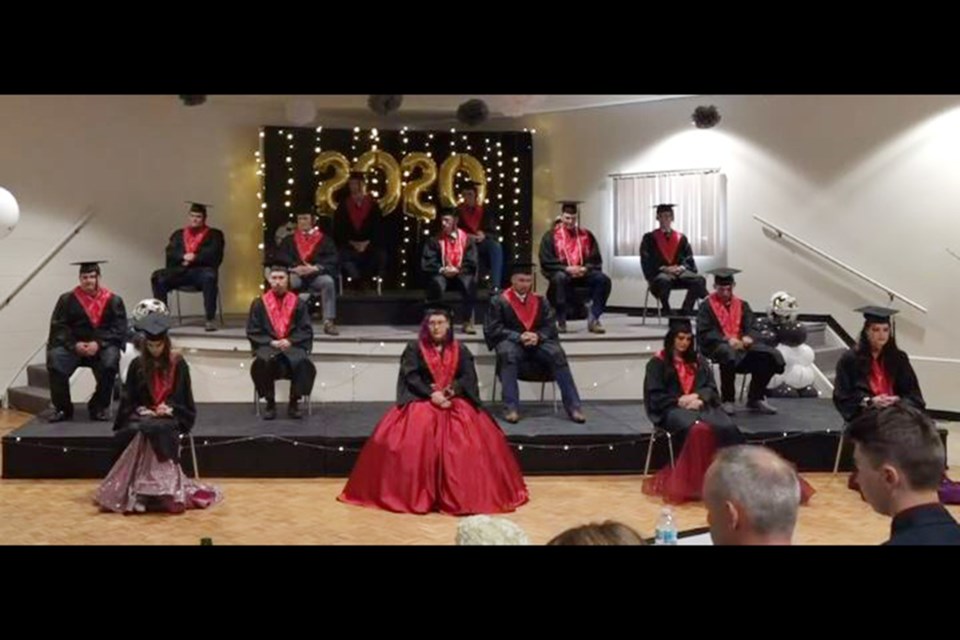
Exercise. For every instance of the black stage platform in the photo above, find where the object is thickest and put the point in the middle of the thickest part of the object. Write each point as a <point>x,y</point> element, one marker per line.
<point>232,442</point>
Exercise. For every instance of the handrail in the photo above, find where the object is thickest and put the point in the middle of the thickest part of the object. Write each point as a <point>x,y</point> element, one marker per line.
<point>890,292</point>
<point>88,213</point>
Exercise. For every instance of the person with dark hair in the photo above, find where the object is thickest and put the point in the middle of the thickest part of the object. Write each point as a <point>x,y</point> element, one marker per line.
<point>312,256</point>
<point>156,410</point>
<point>437,449</point>
<point>357,228</point>
<point>450,260</point>
<point>680,396</point>
<point>900,462</point>
<point>667,262</point>
<point>194,255</point>
<point>727,335</point>
<point>281,337</point>
<point>88,328</point>
<point>482,229</point>
<point>876,373</point>
<point>521,327</point>
<point>609,533</point>
<point>569,256</point>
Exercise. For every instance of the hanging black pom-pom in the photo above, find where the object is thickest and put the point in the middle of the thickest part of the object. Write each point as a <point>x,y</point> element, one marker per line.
<point>473,112</point>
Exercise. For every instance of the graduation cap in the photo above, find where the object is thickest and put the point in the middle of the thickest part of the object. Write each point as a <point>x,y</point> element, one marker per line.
<point>680,324</point>
<point>723,276</point>
<point>470,185</point>
<point>877,315</point>
<point>526,268</point>
<point>570,206</point>
<point>437,307</point>
<point>664,208</point>
<point>199,207</point>
<point>90,266</point>
<point>358,175</point>
<point>277,262</point>
<point>450,211</point>
<point>154,326</point>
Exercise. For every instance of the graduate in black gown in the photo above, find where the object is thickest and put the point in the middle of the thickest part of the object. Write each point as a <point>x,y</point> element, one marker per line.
<point>357,229</point>
<point>450,260</point>
<point>569,257</point>
<point>88,329</point>
<point>522,328</point>
<point>667,261</point>
<point>194,255</point>
<point>312,256</point>
<point>726,334</point>
<point>281,336</point>
<point>156,410</point>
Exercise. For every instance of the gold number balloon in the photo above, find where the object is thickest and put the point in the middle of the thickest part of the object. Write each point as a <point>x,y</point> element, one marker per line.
<point>390,197</point>
<point>324,199</point>
<point>412,206</point>
<point>448,171</point>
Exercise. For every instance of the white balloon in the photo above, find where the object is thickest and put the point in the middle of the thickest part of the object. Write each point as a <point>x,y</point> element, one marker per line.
<point>9,212</point>
<point>798,376</point>
<point>300,111</point>
<point>790,355</point>
<point>805,354</point>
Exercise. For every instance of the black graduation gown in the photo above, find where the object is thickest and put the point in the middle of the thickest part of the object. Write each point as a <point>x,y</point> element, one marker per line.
<point>344,231</point>
<point>415,380</point>
<point>162,432</point>
<point>260,332</point>
<point>502,329</point>
<point>928,524</point>
<point>550,262</point>
<point>324,256</point>
<point>662,391</point>
<point>210,253</point>
<point>651,259</point>
<point>431,261</point>
<point>70,324</point>
<point>852,383</point>
<point>710,335</point>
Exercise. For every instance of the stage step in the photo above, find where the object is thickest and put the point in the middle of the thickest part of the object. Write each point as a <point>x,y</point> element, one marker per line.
<point>29,399</point>
<point>37,376</point>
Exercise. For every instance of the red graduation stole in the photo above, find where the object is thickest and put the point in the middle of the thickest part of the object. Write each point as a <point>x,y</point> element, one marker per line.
<point>686,372</point>
<point>471,217</point>
<point>668,248</point>
<point>193,238</point>
<point>94,305</point>
<point>729,319</point>
<point>307,242</point>
<point>571,247</point>
<point>453,248</point>
<point>880,382</point>
<point>527,312</point>
<point>280,312</point>
<point>161,384</point>
<point>442,364</point>
<point>359,212</point>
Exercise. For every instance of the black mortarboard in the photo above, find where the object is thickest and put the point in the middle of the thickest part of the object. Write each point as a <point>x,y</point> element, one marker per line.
<point>90,266</point>
<point>881,315</point>
<point>199,207</point>
<point>433,308</point>
<point>661,208</point>
<point>471,184</point>
<point>522,267</point>
<point>723,276</point>
<point>358,175</point>
<point>571,206</point>
<point>450,211</point>
<point>154,326</point>
<point>680,324</point>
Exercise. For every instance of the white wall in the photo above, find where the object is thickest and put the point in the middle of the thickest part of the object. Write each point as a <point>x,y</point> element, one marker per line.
<point>869,179</point>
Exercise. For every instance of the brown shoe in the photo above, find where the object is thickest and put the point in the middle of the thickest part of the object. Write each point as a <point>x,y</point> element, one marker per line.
<point>330,328</point>
<point>512,416</point>
<point>577,416</point>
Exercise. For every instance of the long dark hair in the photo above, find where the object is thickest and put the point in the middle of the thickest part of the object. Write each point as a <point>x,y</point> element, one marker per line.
<point>890,355</point>
<point>690,355</point>
<point>161,363</point>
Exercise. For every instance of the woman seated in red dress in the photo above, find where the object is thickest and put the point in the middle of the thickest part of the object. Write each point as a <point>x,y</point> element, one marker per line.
<point>680,396</point>
<point>437,449</point>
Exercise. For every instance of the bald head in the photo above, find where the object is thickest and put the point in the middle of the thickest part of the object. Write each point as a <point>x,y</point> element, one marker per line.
<point>752,497</point>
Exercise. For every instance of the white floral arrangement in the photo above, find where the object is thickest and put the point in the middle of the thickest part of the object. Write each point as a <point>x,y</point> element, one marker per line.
<point>484,530</point>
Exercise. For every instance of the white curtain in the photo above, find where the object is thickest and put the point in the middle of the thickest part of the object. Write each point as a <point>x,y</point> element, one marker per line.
<point>701,209</point>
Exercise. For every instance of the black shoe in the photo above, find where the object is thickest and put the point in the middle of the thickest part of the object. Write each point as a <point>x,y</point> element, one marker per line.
<point>293,409</point>
<point>59,416</point>
<point>562,326</point>
<point>100,416</point>
<point>270,413</point>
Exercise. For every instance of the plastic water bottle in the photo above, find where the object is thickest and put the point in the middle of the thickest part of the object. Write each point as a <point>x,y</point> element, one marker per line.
<point>666,528</point>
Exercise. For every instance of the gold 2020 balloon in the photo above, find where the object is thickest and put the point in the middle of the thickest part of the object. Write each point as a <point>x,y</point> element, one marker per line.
<point>390,194</point>
<point>448,171</point>
<point>412,206</point>
<point>324,199</point>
